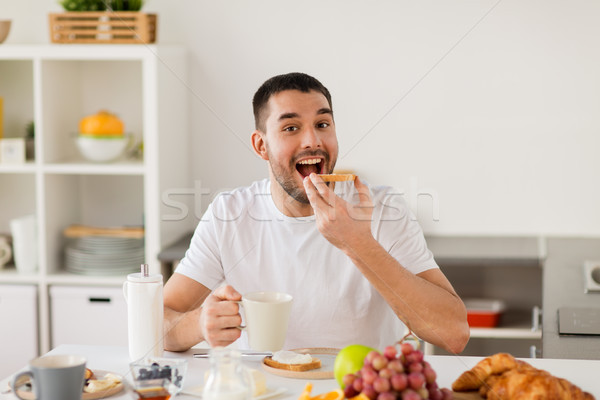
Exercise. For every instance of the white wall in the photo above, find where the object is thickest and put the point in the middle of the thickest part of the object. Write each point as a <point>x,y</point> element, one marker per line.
<point>489,107</point>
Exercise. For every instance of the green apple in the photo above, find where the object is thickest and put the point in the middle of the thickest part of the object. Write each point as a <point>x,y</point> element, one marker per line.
<point>349,360</point>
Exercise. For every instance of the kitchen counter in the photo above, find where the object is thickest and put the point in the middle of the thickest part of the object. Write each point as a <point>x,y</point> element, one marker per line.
<point>564,287</point>
<point>582,373</point>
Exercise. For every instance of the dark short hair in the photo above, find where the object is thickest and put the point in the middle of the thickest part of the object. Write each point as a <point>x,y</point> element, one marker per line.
<point>292,81</point>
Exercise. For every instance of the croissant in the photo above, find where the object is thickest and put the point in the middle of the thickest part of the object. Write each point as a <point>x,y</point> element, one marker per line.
<point>532,384</point>
<point>502,377</point>
<point>475,377</point>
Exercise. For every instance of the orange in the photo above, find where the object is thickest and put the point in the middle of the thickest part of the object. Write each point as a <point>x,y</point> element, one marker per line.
<point>306,392</point>
<point>333,395</point>
<point>101,124</point>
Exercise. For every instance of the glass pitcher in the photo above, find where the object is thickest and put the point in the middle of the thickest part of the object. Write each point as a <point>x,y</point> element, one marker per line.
<point>228,379</point>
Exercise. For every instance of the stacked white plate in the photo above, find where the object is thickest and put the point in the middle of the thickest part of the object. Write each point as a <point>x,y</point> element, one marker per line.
<point>98,255</point>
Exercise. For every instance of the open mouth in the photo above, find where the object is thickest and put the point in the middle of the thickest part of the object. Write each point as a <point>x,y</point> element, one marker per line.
<point>310,165</point>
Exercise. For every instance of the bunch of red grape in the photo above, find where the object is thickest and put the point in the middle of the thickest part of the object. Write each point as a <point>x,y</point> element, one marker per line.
<point>395,375</point>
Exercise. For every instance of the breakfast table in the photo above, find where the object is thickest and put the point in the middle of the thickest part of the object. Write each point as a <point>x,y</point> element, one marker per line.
<point>583,373</point>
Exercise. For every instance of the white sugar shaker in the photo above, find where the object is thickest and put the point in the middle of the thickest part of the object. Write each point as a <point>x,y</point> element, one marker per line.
<point>144,296</point>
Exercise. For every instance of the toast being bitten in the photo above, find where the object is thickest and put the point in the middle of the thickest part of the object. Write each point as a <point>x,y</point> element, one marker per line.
<point>337,177</point>
<point>314,364</point>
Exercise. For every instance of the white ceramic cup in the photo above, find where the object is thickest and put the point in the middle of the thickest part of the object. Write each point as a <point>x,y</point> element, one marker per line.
<point>266,316</point>
<point>5,251</point>
<point>59,377</point>
<point>25,247</point>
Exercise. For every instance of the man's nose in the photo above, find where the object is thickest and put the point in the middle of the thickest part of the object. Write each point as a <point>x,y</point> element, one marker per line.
<point>310,138</point>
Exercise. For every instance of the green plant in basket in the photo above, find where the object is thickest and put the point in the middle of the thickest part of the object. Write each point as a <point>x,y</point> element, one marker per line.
<point>102,5</point>
<point>83,5</point>
<point>125,5</point>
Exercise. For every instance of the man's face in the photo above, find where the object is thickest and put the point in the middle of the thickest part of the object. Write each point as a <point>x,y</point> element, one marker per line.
<point>300,139</point>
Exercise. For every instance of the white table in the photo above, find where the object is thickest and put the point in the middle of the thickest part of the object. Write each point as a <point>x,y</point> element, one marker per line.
<point>583,373</point>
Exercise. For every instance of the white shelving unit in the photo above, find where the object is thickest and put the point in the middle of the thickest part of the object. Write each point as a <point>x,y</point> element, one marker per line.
<point>55,86</point>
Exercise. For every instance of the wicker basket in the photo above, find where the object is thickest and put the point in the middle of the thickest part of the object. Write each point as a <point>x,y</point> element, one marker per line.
<point>103,27</point>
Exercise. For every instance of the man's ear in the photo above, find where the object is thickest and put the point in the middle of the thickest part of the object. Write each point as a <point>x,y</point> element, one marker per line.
<point>259,145</point>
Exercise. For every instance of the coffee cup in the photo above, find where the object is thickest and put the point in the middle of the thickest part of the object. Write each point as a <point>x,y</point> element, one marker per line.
<point>266,318</point>
<point>5,251</point>
<point>57,377</point>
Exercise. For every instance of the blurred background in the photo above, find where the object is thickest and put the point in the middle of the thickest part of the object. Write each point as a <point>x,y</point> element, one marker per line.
<point>484,114</point>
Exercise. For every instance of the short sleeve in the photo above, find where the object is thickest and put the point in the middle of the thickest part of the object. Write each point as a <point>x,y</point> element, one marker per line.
<point>399,232</point>
<point>202,260</point>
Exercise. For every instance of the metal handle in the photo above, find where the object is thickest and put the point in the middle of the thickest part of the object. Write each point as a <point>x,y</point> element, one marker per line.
<point>536,317</point>
<point>99,299</point>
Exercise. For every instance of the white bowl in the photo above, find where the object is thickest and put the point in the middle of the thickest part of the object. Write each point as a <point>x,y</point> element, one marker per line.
<point>4,29</point>
<point>102,149</point>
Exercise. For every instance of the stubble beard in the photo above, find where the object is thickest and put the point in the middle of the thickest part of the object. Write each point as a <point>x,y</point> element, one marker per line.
<point>285,176</point>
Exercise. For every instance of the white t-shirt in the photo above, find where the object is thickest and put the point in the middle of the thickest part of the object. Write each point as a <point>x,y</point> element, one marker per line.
<point>243,240</point>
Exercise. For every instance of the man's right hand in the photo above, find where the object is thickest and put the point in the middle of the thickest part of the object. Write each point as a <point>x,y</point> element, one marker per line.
<point>220,318</point>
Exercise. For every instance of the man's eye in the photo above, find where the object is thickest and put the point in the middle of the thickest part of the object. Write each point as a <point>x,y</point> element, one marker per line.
<point>323,125</point>
<point>290,129</point>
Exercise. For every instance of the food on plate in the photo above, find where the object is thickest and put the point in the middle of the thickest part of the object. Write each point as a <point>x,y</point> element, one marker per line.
<point>89,374</point>
<point>101,124</point>
<point>292,361</point>
<point>502,377</point>
<point>258,381</point>
<point>400,372</point>
<point>108,381</point>
<point>349,360</point>
<point>337,177</point>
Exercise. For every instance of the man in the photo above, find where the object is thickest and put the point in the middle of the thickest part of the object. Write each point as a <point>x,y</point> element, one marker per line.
<point>352,257</point>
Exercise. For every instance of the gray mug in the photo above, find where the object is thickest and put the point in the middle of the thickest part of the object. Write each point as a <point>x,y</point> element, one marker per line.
<point>59,377</point>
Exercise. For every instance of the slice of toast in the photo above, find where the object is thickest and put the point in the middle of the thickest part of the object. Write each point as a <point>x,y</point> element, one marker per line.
<point>337,177</point>
<point>314,364</point>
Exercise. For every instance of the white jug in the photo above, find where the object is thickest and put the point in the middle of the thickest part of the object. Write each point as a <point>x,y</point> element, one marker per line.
<point>144,297</point>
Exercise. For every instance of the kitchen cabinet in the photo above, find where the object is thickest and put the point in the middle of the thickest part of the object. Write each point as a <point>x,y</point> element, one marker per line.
<point>19,333</point>
<point>508,269</point>
<point>83,315</point>
<point>55,86</point>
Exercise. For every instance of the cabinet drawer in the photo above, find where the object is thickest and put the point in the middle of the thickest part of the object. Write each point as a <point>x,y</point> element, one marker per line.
<point>88,315</point>
<point>19,332</point>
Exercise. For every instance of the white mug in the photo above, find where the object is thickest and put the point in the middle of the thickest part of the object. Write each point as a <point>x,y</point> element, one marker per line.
<point>266,316</point>
<point>5,251</point>
<point>25,247</point>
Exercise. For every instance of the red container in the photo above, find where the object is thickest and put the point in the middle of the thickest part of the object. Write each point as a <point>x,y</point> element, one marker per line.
<point>483,313</point>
